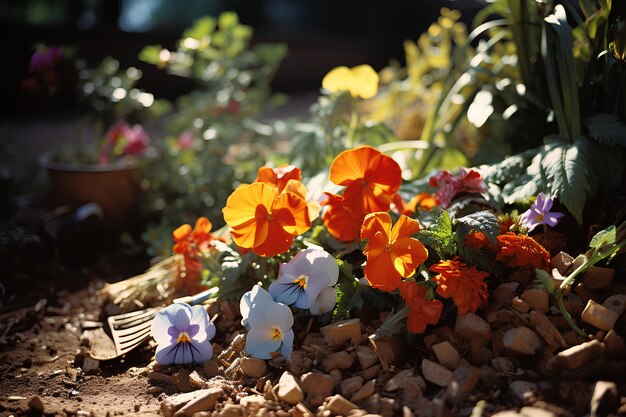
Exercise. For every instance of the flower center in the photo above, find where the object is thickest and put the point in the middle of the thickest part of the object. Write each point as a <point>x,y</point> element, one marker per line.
<point>276,334</point>
<point>183,337</point>
<point>540,217</point>
<point>388,247</point>
<point>301,281</point>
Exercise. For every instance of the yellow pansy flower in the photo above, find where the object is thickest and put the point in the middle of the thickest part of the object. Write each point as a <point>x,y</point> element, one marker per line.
<point>360,81</point>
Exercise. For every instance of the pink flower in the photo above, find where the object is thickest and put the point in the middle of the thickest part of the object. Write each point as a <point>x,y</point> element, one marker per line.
<point>539,213</point>
<point>45,58</point>
<point>466,181</point>
<point>185,140</point>
<point>124,140</point>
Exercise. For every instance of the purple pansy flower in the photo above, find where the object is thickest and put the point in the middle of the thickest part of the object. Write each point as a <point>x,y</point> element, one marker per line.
<point>539,213</point>
<point>184,335</point>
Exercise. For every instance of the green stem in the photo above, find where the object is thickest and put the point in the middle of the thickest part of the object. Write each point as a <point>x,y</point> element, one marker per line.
<point>568,317</point>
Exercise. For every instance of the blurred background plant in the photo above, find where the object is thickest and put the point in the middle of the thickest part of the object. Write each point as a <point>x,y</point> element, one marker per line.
<point>214,140</point>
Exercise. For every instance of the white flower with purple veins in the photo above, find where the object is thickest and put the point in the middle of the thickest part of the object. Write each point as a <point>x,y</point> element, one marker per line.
<point>539,213</point>
<point>269,325</point>
<point>305,280</point>
<point>184,335</point>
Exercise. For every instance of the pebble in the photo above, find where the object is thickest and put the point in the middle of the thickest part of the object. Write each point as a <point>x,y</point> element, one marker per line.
<point>599,316</point>
<point>436,373</point>
<point>90,364</point>
<point>211,369</point>
<point>562,262</point>
<point>469,325</point>
<point>175,402</point>
<point>398,381</point>
<point>252,367</point>
<point>288,389</point>
<point>616,303</point>
<point>365,391</point>
<point>341,406</point>
<point>546,329</point>
<point>537,299</point>
<point>525,391</point>
<point>463,382</point>
<point>446,354</point>
<point>522,341</point>
<point>370,372</point>
<point>36,405</point>
<point>196,380</point>
<point>349,386</point>
<point>604,400</point>
<point>317,386</point>
<point>252,403</point>
<point>301,411</point>
<point>203,402</point>
<point>613,342</point>
<point>180,378</point>
<point>159,377</point>
<point>366,356</point>
<point>577,356</point>
<point>520,305</point>
<point>598,278</point>
<point>337,360</point>
<point>336,334</point>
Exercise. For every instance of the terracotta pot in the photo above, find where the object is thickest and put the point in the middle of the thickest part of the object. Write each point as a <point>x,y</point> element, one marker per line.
<point>114,187</point>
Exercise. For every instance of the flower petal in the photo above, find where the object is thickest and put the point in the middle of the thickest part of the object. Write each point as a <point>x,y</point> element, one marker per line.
<point>253,299</point>
<point>259,343</point>
<point>376,222</point>
<point>287,346</point>
<point>404,227</point>
<point>325,302</point>
<point>279,315</point>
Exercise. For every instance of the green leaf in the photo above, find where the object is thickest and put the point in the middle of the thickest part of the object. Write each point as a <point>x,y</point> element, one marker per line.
<point>606,128</point>
<point>201,28</point>
<point>349,296</point>
<point>567,170</point>
<point>482,221</point>
<point>394,324</point>
<point>228,20</point>
<point>604,237</point>
<point>150,54</point>
<point>440,236</point>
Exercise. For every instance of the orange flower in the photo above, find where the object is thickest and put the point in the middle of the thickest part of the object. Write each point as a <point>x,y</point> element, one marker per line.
<point>391,253</point>
<point>506,223</point>
<point>278,177</point>
<point>522,250</point>
<point>264,219</point>
<point>464,284</point>
<point>371,178</point>
<point>425,201</point>
<point>421,311</point>
<point>342,223</point>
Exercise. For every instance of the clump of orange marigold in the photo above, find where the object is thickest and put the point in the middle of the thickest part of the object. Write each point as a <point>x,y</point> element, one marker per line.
<point>465,285</point>
<point>521,250</point>
<point>421,310</point>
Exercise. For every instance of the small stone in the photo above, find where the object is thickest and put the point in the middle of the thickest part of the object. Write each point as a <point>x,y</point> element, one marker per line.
<point>599,316</point>
<point>469,326</point>
<point>366,356</point>
<point>398,381</point>
<point>317,386</point>
<point>616,303</point>
<point>503,364</point>
<point>525,391</point>
<point>520,305</point>
<point>546,329</point>
<point>578,356</point>
<point>301,411</point>
<point>598,278</point>
<point>390,350</point>
<point>252,403</point>
<point>159,377</point>
<point>339,405</point>
<point>604,400</point>
<point>36,405</point>
<point>562,262</point>
<point>522,341</point>
<point>349,386</point>
<point>446,354</point>
<point>181,380</point>
<point>613,343</point>
<point>288,389</point>
<point>90,364</point>
<point>211,369</point>
<point>175,402</point>
<point>336,334</point>
<point>253,367</point>
<point>413,391</point>
<point>337,360</point>
<point>335,374</point>
<point>537,299</point>
<point>205,401</point>
<point>536,412</point>
<point>463,382</point>
<point>239,343</point>
<point>505,293</point>
<point>364,392</point>
<point>479,352</point>
<point>370,372</point>
<point>230,410</point>
<point>300,362</point>
<point>196,380</point>
<point>436,373</point>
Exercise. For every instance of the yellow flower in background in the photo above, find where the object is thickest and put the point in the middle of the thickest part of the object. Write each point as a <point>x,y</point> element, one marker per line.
<point>360,81</point>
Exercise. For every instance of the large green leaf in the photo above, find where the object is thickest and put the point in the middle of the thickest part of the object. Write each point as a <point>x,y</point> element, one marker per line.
<point>440,236</point>
<point>567,170</point>
<point>349,296</point>
<point>606,128</point>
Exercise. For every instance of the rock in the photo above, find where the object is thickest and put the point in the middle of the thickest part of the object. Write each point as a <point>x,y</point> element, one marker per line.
<point>288,389</point>
<point>446,354</point>
<point>175,402</point>
<point>180,378</point>
<point>604,400</point>
<point>300,362</point>
<point>398,381</point>
<point>562,262</point>
<point>203,402</point>
<point>211,369</point>
<point>479,352</point>
<point>436,373</point>
<point>577,356</point>
<point>413,390</point>
<point>238,343</point>
<point>537,299</point>
<point>505,293</point>
<point>252,403</point>
<point>522,341</point>
<point>535,412</point>
<point>525,391</point>
<point>339,405</point>
<point>520,305</point>
<point>335,374</point>
<point>337,360</point>
<point>301,411</point>
<point>364,392</point>
<point>317,386</point>
<point>599,316</point>
<point>616,303</point>
<point>469,326</point>
<point>598,278</point>
<point>502,364</point>
<point>463,382</point>
<point>35,404</point>
<point>366,356</point>
<point>336,334</point>
<point>370,372</point>
<point>230,410</point>
<point>613,343</point>
<point>253,367</point>
<point>90,364</point>
<point>574,304</point>
<point>546,329</point>
<point>196,380</point>
<point>390,350</point>
<point>159,378</point>
<point>349,386</point>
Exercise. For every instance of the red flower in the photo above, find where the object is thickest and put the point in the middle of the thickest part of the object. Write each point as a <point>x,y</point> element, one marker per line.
<point>342,223</point>
<point>464,284</point>
<point>421,311</point>
<point>450,185</point>
<point>522,250</point>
